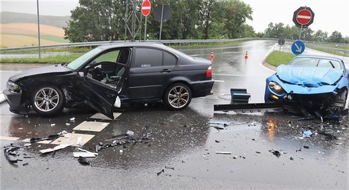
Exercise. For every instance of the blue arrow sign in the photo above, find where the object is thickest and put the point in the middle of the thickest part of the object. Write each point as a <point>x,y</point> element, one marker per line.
<point>298,47</point>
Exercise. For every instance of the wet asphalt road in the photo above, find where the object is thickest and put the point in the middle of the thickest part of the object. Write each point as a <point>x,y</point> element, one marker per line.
<point>185,151</point>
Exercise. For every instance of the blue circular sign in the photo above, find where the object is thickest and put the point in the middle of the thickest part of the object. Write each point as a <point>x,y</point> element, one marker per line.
<point>298,47</point>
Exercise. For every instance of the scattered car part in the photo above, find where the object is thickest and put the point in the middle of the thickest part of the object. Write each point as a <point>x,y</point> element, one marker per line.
<point>84,153</point>
<point>83,161</point>
<point>11,153</point>
<point>59,147</point>
<point>50,137</point>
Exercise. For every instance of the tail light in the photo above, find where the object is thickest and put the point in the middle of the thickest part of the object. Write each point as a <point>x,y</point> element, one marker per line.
<point>209,72</point>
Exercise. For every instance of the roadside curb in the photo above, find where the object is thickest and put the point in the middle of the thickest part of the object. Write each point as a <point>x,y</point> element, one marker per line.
<point>2,98</point>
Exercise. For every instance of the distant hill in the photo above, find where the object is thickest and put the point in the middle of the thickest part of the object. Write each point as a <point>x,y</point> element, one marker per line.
<point>20,29</point>
<point>12,17</point>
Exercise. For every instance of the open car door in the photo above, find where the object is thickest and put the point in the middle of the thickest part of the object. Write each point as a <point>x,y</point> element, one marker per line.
<point>103,79</point>
<point>99,96</point>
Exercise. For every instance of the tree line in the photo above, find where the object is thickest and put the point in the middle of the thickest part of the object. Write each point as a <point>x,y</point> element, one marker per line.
<point>279,30</point>
<point>104,20</point>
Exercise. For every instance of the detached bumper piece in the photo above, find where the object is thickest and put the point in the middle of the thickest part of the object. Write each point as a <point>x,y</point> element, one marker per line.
<point>248,107</point>
<point>239,96</point>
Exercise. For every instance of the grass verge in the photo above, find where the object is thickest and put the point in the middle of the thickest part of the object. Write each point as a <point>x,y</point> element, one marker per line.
<point>52,59</point>
<point>277,58</point>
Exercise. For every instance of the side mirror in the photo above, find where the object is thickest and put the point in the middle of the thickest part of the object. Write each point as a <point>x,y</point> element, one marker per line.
<point>81,74</point>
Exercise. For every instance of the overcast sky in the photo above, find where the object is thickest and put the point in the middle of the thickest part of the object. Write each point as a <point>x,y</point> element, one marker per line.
<point>330,15</point>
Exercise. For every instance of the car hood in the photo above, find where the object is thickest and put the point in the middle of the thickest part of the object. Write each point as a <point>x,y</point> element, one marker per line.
<point>308,76</point>
<point>39,71</point>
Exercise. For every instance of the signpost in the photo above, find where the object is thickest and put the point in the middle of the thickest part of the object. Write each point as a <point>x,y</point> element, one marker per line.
<point>298,47</point>
<point>303,17</point>
<point>146,6</point>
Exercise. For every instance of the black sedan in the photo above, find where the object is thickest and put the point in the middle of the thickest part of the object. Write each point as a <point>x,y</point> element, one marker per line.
<point>108,76</point>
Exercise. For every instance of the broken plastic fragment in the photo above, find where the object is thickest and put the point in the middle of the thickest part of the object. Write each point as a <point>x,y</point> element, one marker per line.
<point>276,153</point>
<point>160,172</point>
<point>11,153</point>
<point>50,137</point>
<point>117,102</point>
<point>219,123</point>
<point>83,161</point>
<point>223,152</point>
<point>48,150</point>
<point>84,153</point>
<point>307,133</point>
<point>328,136</point>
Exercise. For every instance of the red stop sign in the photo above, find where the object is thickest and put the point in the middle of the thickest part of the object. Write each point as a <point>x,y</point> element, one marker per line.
<point>304,16</point>
<point>146,6</point>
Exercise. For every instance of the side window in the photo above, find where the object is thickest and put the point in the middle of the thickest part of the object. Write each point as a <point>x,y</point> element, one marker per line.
<point>147,57</point>
<point>169,59</point>
<point>109,56</point>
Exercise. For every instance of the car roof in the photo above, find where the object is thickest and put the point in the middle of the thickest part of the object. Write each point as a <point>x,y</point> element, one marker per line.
<point>319,57</point>
<point>133,44</point>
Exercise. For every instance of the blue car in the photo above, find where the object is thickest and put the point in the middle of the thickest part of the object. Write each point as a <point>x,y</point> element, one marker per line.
<point>313,83</point>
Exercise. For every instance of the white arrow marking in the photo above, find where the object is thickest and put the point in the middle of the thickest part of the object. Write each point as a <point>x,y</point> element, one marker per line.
<point>299,49</point>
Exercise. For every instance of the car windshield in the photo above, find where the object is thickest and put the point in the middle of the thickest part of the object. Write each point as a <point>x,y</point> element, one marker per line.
<point>82,59</point>
<point>316,62</point>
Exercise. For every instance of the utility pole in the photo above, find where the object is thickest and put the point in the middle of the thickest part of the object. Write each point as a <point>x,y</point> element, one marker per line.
<point>37,9</point>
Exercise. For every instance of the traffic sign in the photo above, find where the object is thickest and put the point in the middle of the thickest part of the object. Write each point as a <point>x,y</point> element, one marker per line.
<point>298,47</point>
<point>281,41</point>
<point>303,17</point>
<point>146,6</point>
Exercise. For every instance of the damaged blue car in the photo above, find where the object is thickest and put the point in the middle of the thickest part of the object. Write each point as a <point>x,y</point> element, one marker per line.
<point>315,84</point>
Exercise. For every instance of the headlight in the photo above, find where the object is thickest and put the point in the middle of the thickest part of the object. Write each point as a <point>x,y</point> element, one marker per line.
<point>13,87</point>
<point>275,87</point>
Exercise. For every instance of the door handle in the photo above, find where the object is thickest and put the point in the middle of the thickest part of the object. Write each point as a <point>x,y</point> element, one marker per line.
<point>166,71</point>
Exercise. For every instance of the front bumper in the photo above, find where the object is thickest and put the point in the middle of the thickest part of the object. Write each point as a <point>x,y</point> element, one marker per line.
<point>15,102</point>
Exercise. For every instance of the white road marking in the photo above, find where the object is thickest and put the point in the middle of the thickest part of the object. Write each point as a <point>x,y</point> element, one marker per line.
<point>93,126</point>
<point>103,117</point>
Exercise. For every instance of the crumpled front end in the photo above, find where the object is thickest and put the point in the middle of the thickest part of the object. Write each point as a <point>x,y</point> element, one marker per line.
<point>323,99</point>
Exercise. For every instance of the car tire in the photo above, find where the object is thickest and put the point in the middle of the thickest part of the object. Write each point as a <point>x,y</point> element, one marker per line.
<point>47,100</point>
<point>177,96</point>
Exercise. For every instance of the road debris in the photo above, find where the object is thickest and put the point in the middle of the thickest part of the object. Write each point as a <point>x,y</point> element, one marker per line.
<point>223,152</point>
<point>276,153</point>
<point>11,153</point>
<point>307,133</point>
<point>160,172</point>
<point>328,136</point>
<point>224,123</point>
<point>127,138</point>
<point>83,161</point>
<point>59,147</point>
<point>14,154</point>
<point>84,153</point>
<point>50,137</point>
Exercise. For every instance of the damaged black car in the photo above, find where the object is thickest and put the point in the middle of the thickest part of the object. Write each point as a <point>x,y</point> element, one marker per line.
<point>108,76</point>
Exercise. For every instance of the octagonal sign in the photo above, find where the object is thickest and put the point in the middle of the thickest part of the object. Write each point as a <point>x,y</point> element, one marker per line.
<point>303,17</point>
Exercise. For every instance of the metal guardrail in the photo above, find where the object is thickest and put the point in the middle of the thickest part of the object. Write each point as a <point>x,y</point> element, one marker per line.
<point>98,43</point>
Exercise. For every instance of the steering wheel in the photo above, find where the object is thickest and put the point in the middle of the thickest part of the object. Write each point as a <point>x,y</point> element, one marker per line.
<point>97,74</point>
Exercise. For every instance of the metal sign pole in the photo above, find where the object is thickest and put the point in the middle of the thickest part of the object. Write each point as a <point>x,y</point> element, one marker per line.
<point>300,32</point>
<point>145,28</point>
<point>37,9</point>
<point>162,17</point>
